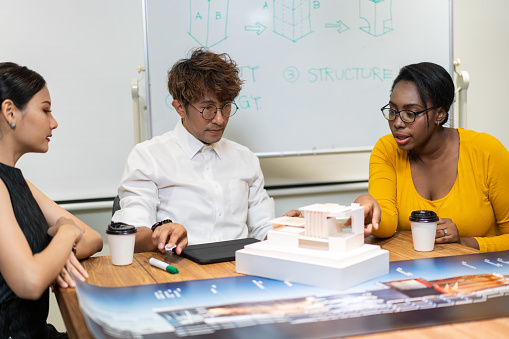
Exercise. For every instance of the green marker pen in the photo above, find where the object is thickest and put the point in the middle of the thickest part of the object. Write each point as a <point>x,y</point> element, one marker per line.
<point>162,265</point>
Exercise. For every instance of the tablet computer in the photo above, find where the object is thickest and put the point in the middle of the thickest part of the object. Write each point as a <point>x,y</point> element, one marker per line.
<point>215,252</point>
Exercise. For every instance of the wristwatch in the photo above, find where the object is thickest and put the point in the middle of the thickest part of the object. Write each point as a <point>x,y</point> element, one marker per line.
<point>159,223</point>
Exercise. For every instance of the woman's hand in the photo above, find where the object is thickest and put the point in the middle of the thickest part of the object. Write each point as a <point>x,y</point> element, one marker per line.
<point>60,222</point>
<point>447,231</point>
<point>65,279</point>
<point>372,213</point>
<point>66,222</point>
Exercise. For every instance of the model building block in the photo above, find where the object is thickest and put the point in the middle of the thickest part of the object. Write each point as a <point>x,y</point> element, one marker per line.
<point>319,251</point>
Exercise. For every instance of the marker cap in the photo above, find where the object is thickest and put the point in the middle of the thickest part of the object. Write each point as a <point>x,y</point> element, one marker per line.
<point>171,269</point>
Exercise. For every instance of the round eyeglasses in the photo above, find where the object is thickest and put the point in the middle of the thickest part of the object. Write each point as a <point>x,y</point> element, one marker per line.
<point>209,112</point>
<point>405,115</point>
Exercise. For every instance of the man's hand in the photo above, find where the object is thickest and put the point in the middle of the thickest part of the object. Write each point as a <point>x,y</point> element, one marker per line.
<point>170,234</point>
<point>293,213</point>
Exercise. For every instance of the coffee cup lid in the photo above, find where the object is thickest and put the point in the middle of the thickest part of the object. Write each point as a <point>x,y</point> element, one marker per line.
<point>121,228</point>
<point>423,216</point>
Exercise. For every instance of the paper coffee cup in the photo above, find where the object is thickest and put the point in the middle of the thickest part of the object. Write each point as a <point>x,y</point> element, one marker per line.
<point>424,228</point>
<point>121,238</point>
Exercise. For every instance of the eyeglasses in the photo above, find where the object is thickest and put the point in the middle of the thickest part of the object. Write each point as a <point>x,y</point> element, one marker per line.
<point>210,111</point>
<point>405,115</point>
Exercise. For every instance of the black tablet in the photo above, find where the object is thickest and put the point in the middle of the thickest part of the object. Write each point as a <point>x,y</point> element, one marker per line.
<point>214,252</point>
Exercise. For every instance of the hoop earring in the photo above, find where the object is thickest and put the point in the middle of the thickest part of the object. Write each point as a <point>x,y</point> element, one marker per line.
<point>436,123</point>
<point>12,124</point>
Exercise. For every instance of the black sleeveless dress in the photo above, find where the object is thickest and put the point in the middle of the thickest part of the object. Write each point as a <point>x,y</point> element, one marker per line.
<point>21,318</point>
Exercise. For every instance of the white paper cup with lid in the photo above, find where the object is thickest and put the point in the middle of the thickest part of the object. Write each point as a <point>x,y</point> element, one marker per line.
<point>424,228</point>
<point>121,238</point>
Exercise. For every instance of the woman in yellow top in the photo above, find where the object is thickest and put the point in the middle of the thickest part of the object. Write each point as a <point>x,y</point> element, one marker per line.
<point>460,174</point>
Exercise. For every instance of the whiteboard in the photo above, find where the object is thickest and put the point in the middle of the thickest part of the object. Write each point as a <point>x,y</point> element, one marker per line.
<point>87,51</point>
<point>316,72</point>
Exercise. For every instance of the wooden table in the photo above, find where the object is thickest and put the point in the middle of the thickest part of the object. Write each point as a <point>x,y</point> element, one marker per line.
<point>103,273</point>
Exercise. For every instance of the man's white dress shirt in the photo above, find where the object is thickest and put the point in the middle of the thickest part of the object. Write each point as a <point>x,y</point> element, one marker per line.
<point>215,191</point>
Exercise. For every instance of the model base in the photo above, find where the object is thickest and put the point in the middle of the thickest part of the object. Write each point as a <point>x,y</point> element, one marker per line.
<point>332,270</point>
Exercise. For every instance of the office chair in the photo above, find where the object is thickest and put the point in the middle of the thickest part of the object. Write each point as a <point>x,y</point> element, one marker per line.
<point>116,205</point>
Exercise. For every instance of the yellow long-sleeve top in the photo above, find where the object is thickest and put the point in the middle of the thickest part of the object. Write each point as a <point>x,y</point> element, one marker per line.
<point>478,203</point>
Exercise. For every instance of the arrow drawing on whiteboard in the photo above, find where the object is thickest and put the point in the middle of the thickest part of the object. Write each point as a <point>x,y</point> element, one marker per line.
<point>341,27</point>
<point>258,27</point>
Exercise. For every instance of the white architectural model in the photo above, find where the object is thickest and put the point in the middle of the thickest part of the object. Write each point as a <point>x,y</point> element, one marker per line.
<point>314,250</point>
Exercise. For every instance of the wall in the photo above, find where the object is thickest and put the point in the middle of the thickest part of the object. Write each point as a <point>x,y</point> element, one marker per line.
<point>88,52</point>
<point>481,32</point>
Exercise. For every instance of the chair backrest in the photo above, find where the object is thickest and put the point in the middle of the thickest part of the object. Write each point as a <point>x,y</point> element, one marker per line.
<point>116,205</point>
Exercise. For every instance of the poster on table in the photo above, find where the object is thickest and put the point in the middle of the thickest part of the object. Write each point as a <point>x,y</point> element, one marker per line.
<point>415,293</point>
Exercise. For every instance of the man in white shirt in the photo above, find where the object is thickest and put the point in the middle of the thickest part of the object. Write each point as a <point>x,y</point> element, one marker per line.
<point>190,185</point>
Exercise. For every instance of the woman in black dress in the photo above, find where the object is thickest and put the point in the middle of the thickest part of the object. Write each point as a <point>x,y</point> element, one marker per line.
<point>40,242</point>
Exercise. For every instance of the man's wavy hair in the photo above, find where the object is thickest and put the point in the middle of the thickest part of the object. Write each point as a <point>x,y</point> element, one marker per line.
<point>204,72</point>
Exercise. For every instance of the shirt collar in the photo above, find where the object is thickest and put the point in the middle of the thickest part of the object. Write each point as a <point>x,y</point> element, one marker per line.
<point>191,145</point>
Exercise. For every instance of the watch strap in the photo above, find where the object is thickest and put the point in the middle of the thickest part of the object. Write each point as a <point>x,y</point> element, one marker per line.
<point>159,223</point>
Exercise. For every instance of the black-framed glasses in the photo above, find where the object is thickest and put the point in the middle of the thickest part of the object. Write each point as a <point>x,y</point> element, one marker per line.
<point>209,112</point>
<point>405,115</point>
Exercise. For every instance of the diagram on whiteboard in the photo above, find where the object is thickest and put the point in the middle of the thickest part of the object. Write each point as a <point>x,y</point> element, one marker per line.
<point>209,21</point>
<point>291,19</point>
<point>377,15</point>
<point>319,66</point>
<point>339,25</point>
